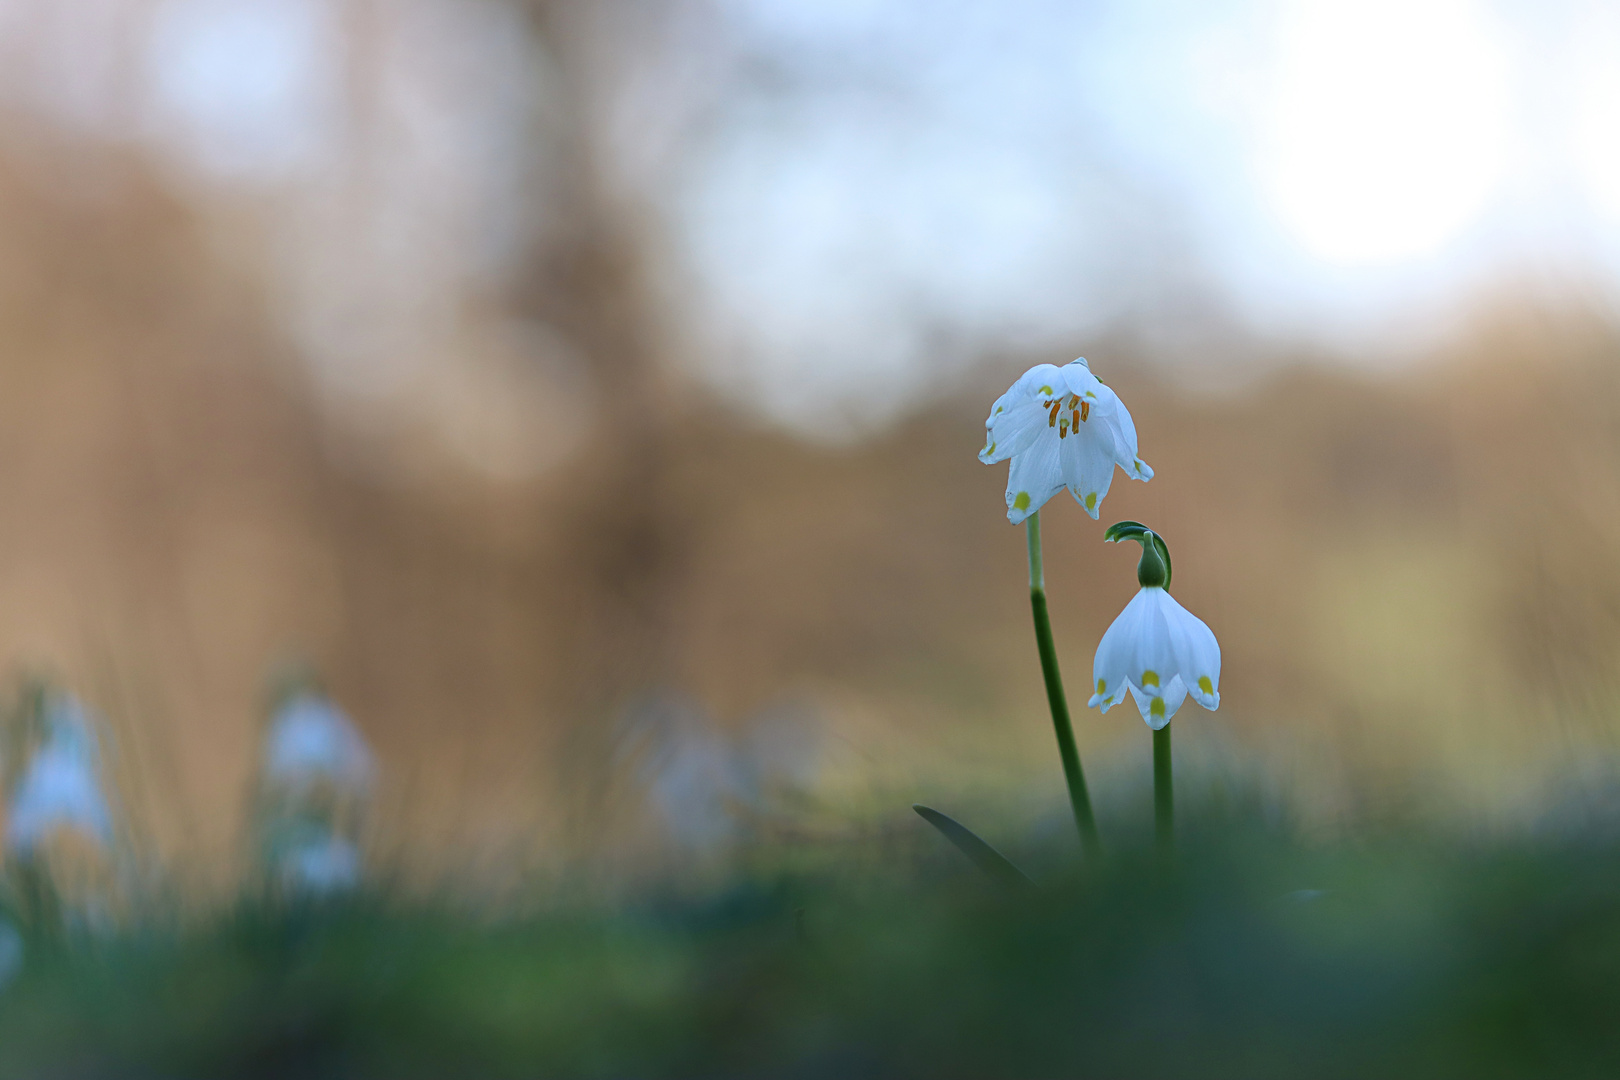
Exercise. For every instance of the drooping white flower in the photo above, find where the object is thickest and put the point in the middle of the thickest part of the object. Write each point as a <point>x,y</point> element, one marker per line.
<point>62,785</point>
<point>689,772</point>
<point>1161,653</point>
<point>311,740</point>
<point>706,788</point>
<point>1062,427</point>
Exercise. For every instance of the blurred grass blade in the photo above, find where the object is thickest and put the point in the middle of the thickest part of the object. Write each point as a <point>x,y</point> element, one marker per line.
<point>992,862</point>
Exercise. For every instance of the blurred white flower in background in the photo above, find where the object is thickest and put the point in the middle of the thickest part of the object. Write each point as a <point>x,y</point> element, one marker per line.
<point>315,781</point>
<point>61,788</point>
<point>311,741</point>
<point>319,864</point>
<point>1062,428</point>
<point>706,788</point>
<point>688,773</point>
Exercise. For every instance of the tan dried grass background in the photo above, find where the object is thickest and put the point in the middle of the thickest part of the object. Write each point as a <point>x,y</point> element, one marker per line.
<point>1415,578</point>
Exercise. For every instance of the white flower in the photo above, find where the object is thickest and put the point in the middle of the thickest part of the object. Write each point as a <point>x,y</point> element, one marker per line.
<point>62,786</point>
<point>690,772</point>
<point>1062,428</point>
<point>1161,652</point>
<point>311,740</point>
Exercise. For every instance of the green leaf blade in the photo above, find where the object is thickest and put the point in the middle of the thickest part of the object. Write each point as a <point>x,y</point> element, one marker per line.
<point>992,863</point>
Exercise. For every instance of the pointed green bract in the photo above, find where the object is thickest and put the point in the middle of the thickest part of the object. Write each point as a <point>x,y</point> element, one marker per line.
<point>1135,530</point>
<point>993,863</point>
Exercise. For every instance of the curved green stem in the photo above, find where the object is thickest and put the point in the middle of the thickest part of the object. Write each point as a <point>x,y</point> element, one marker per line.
<point>1079,799</point>
<point>1164,791</point>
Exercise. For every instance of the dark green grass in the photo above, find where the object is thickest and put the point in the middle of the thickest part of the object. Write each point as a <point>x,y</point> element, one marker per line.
<point>1412,957</point>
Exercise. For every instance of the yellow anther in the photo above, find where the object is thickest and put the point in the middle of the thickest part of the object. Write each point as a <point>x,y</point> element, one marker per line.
<point>1085,410</point>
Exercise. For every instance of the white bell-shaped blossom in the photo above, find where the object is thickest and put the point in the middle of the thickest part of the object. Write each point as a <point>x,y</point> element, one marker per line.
<point>1062,428</point>
<point>61,787</point>
<point>689,773</point>
<point>310,740</point>
<point>1161,653</point>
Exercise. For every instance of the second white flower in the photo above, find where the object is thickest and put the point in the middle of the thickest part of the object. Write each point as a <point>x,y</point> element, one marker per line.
<point>1156,650</point>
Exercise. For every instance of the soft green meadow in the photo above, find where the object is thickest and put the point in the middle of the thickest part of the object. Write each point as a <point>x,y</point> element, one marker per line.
<point>1251,954</point>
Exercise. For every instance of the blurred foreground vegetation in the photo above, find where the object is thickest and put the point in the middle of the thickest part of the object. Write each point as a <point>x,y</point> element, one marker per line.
<point>1251,955</point>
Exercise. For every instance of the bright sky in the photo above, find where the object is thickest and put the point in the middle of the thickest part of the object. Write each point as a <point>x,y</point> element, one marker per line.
<point>877,188</point>
<point>1388,128</point>
<point>1041,169</point>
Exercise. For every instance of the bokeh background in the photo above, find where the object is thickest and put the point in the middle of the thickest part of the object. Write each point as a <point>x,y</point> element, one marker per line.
<point>591,391</point>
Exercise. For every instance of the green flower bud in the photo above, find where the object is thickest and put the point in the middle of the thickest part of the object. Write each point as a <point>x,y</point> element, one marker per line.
<point>1151,572</point>
<point>1154,571</point>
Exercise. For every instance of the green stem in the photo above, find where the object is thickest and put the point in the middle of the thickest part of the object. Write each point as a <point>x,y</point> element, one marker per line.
<point>1078,797</point>
<point>1164,791</point>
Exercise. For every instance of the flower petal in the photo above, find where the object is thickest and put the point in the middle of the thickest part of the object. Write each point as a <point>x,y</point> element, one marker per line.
<point>1035,476</point>
<point>1159,709</point>
<point>1113,413</point>
<point>1152,660</point>
<point>1019,418</point>
<point>1079,380</point>
<point>1198,654</point>
<point>1116,653</point>
<point>1088,464</point>
<point>989,455</point>
<point>1016,422</point>
<point>1040,381</point>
